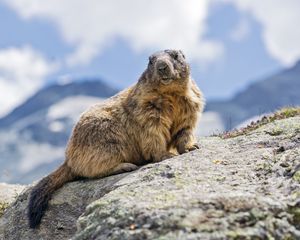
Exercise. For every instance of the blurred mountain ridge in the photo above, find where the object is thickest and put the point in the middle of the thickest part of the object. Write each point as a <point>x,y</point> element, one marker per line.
<point>49,95</point>
<point>33,136</point>
<point>264,96</point>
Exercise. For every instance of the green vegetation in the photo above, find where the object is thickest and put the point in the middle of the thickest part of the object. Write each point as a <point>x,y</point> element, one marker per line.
<point>296,176</point>
<point>3,206</point>
<point>295,212</point>
<point>281,114</point>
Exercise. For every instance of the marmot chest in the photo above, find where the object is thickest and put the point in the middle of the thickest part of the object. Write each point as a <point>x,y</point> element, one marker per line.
<point>184,112</point>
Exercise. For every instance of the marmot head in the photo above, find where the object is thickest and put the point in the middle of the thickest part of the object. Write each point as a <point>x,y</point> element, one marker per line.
<point>168,67</point>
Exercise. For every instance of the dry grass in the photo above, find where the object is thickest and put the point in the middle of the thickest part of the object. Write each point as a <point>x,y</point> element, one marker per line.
<point>281,114</point>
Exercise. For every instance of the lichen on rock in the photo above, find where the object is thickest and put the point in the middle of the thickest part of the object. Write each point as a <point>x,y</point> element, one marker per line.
<point>8,193</point>
<point>241,187</point>
<point>3,206</point>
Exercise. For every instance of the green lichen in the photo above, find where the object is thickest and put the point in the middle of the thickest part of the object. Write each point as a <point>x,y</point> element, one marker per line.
<point>275,132</point>
<point>163,199</point>
<point>288,237</point>
<point>265,167</point>
<point>179,181</point>
<point>281,114</point>
<point>3,206</point>
<point>240,234</point>
<point>295,195</point>
<point>296,176</point>
<point>220,178</point>
<point>295,212</point>
<point>257,214</point>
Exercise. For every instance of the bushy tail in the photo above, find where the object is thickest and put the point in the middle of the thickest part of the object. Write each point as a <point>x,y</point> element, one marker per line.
<point>41,193</point>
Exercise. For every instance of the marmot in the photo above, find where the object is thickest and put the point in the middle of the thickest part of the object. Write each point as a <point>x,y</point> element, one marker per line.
<point>137,126</point>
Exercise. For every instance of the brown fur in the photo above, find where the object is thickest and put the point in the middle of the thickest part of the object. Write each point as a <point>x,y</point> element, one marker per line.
<point>141,124</point>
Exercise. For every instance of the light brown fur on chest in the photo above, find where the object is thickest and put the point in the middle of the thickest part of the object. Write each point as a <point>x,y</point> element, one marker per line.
<point>166,113</point>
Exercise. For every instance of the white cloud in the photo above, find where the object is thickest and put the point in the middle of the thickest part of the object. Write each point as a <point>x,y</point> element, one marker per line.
<point>241,31</point>
<point>280,22</point>
<point>92,25</point>
<point>22,71</point>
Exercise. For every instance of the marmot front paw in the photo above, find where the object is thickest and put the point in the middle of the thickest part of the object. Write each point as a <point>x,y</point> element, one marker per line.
<point>186,149</point>
<point>165,156</point>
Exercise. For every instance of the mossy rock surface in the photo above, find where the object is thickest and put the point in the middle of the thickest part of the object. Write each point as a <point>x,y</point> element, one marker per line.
<point>241,187</point>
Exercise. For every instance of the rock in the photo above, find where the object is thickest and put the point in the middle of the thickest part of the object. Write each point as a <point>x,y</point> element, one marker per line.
<point>8,193</point>
<point>237,187</point>
<point>59,222</point>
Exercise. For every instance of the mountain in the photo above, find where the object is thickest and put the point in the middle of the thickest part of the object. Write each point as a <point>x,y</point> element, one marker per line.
<point>281,89</point>
<point>54,93</point>
<point>33,136</point>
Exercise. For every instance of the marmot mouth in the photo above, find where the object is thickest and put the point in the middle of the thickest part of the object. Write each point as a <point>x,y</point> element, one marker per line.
<point>166,80</point>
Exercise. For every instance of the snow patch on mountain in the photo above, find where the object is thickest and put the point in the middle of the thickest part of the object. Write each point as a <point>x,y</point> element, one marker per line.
<point>71,107</point>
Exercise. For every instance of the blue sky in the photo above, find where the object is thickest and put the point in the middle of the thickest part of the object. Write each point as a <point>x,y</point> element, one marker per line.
<point>229,43</point>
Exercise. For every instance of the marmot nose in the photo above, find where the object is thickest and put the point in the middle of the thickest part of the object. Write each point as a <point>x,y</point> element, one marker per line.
<point>162,67</point>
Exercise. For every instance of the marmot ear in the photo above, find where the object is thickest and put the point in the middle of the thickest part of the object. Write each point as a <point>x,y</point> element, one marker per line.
<point>151,60</point>
<point>182,54</point>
